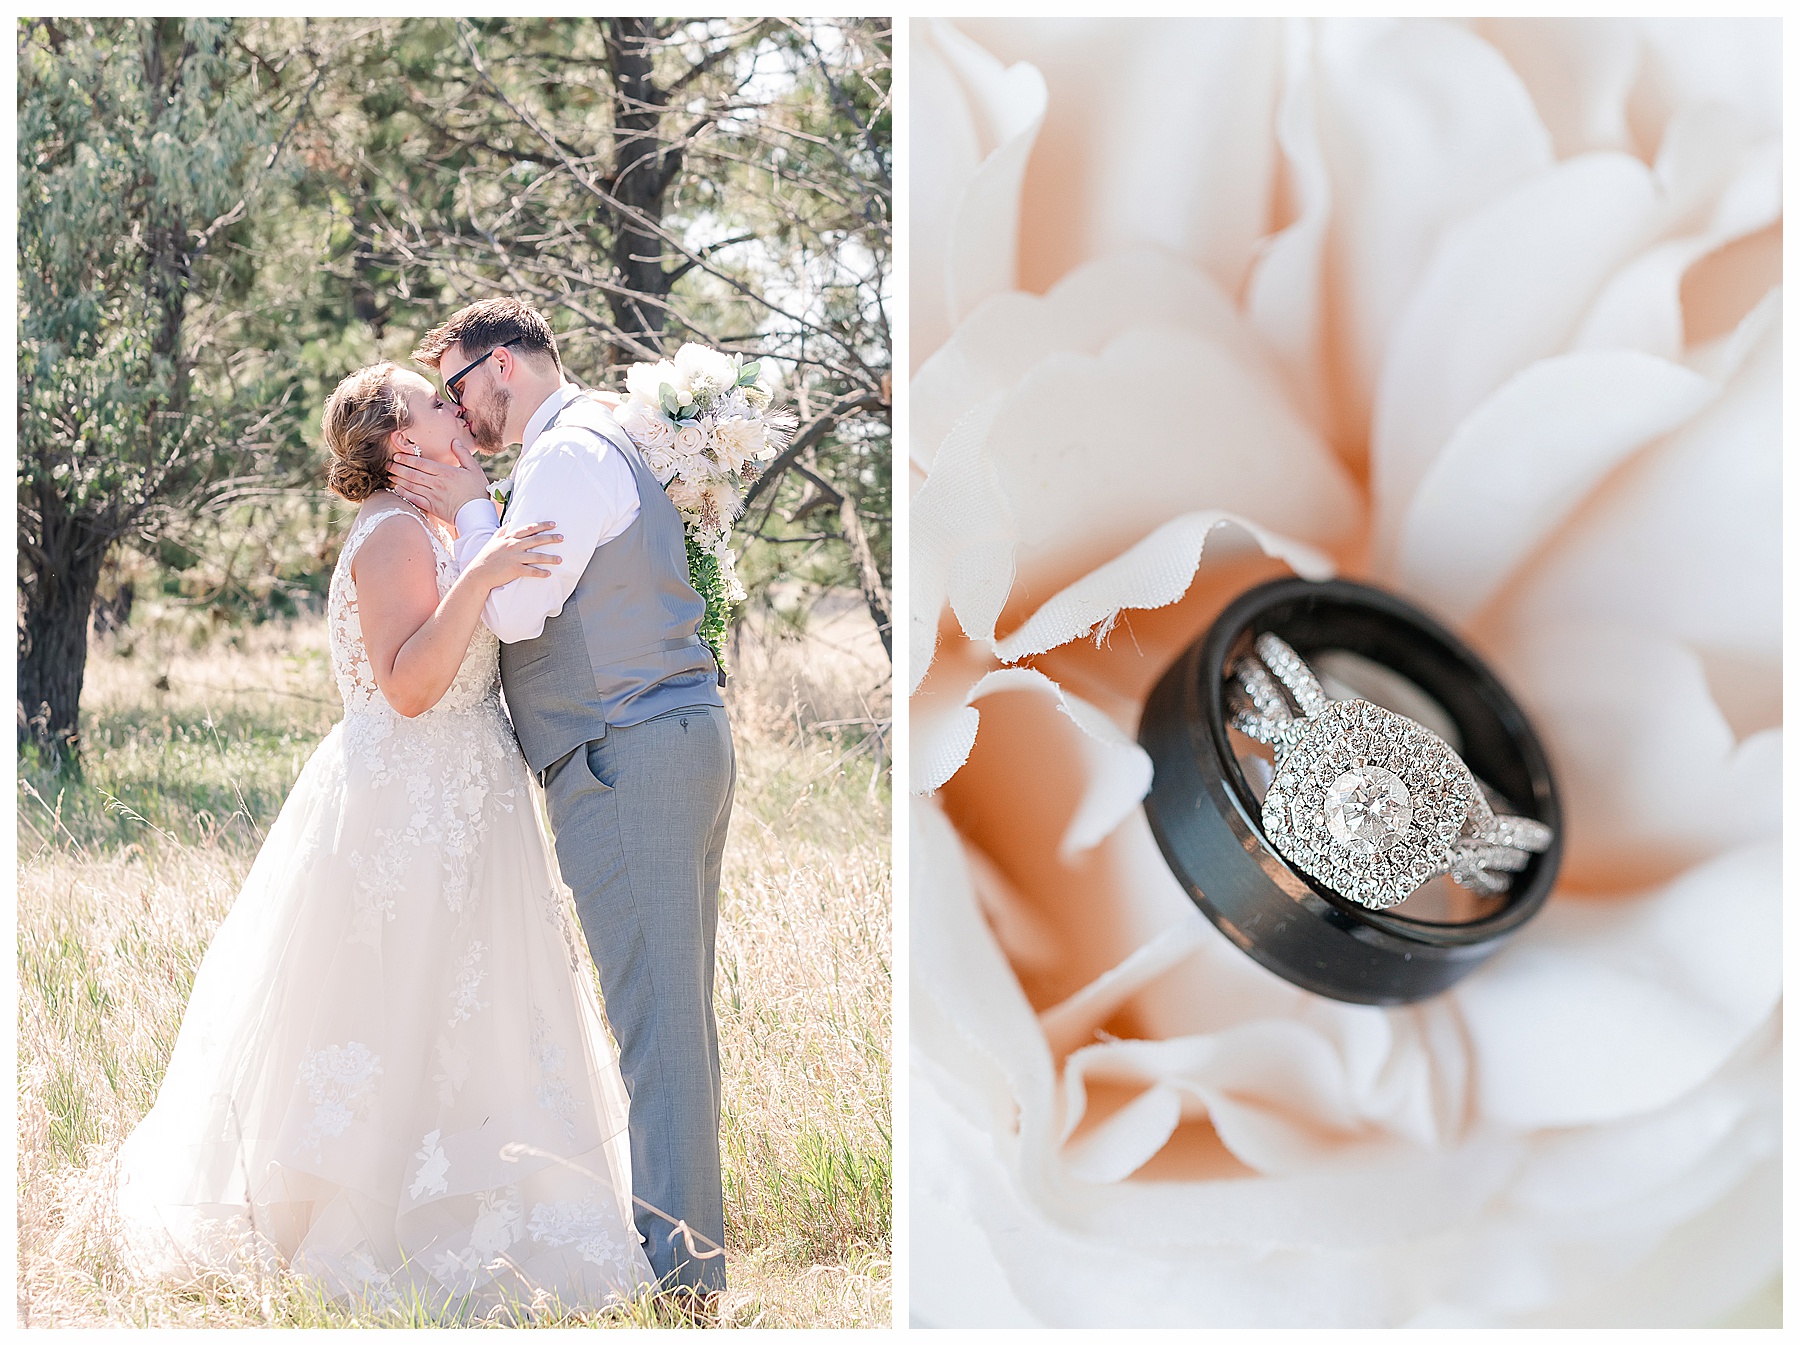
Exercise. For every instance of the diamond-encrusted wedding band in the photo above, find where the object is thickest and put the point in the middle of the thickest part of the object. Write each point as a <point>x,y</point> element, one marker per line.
<point>1364,800</point>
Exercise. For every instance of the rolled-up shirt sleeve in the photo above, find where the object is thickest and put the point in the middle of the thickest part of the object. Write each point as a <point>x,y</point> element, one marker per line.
<point>584,486</point>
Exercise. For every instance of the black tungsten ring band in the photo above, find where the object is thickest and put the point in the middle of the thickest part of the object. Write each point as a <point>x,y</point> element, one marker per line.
<point>1208,822</point>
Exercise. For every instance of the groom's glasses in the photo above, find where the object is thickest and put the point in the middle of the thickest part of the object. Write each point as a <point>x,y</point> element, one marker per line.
<point>453,384</point>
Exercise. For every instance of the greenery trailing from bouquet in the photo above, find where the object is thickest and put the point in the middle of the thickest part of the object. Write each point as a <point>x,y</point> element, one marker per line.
<point>704,425</point>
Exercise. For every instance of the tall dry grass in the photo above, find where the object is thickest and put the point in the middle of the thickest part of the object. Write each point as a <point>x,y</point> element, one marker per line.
<point>128,867</point>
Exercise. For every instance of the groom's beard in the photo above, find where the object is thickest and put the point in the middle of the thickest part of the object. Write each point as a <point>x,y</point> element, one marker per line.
<point>488,427</point>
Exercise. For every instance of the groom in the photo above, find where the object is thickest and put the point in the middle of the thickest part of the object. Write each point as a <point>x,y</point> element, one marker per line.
<point>616,703</point>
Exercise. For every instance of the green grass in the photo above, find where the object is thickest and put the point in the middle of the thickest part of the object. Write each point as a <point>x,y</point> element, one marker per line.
<point>128,863</point>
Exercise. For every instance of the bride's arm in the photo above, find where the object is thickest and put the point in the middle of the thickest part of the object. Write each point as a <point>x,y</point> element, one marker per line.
<point>416,641</point>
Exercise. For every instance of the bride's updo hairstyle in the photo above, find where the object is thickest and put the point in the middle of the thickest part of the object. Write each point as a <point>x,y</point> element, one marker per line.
<point>359,416</point>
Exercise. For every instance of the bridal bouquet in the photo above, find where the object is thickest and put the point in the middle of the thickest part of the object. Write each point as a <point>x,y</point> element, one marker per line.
<point>704,425</point>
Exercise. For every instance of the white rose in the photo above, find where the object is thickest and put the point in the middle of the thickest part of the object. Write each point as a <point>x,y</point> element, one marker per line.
<point>689,441</point>
<point>662,462</point>
<point>1480,357</point>
<point>650,430</point>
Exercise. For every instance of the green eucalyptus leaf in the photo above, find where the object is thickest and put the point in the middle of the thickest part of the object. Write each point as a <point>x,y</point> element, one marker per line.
<point>747,375</point>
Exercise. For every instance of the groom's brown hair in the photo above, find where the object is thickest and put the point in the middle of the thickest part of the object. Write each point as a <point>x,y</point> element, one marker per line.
<point>481,327</point>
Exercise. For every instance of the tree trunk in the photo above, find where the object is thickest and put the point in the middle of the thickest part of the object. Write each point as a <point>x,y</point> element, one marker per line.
<point>642,168</point>
<point>58,599</point>
<point>875,594</point>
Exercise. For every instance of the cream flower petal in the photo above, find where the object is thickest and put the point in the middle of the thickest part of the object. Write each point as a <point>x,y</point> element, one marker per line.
<point>1038,494</point>
<point>1004,338</point>
<point>1602,1010</point>
<point>1517,467</point>
<point>1505,287</point>
<point>1422,121</point>
<point>1151,574</point>
<point>1285,298</point>
<point>1098,183</point>
<point>1652,776</point>
<point>1719,478</point>
<point>1706,170</point>
<point>1737,63</point>
<point>975,125</point>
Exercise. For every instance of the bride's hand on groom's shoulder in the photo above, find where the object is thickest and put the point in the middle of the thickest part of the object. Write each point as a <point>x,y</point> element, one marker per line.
<point>440,489</point>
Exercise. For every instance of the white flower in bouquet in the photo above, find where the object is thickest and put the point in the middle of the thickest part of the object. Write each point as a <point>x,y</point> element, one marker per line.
<point>707,371</point>
<point>691,494</point>
<point>648,427</point>
<point>740,440</point>
<point>1486,313</point>
<point>690,441</point>
<point>645,383</point>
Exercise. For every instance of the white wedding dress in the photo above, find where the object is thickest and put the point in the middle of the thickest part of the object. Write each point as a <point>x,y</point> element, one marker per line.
<point>393,1076</point>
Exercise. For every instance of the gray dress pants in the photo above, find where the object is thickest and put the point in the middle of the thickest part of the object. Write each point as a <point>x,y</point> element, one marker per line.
<point>639,818</point>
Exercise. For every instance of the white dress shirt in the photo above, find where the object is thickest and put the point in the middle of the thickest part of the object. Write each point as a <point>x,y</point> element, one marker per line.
<point>571,477</point>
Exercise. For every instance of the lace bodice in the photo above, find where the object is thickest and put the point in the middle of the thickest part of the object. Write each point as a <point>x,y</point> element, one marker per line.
<point>477,680</point>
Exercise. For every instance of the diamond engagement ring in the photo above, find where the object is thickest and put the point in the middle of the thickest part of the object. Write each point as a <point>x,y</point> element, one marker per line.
<point>1364,800</point>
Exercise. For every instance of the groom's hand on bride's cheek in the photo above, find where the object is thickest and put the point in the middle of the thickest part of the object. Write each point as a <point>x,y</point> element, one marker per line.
<point>441,488</point>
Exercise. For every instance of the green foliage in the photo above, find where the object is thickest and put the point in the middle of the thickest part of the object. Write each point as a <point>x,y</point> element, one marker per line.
<point>137,138</point>
<point>708,579</point>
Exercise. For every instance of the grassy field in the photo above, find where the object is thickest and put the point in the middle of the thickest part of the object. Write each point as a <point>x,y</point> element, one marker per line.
<point>191,742</point>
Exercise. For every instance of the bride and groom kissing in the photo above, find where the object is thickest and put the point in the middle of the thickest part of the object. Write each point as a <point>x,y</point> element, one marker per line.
<point>393,1076</point>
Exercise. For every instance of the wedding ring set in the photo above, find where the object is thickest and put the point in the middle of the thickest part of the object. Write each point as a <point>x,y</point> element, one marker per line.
<point>1307,863</point>
<point>1365,800</point>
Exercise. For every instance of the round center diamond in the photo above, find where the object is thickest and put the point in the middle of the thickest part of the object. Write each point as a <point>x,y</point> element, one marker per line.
<point>1368,809</point>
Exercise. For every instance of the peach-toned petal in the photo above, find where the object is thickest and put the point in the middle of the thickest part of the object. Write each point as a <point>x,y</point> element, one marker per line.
<point>1275,1091</point>
<point>1117,771</point>
<point>1158,132</point>
<point>1421,121</point>
<point>1516,468</point>
<point>1606,1010</point>
<point>1507,286</point>
<point>1652,776</point>
<point>1069,1023</point>
<point>1579,72</point>
<point>974,124</point>
<point>1686,539</point>
<point>941,724</point>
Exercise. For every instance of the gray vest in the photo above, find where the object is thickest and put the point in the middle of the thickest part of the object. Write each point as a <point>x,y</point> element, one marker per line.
<point>624,649</point>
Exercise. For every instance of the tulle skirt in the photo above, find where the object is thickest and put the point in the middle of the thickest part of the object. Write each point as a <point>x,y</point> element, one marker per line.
<point>393,1076</point>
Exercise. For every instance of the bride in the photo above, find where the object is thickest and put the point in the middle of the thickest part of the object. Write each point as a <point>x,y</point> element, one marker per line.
<point>393,1076</point>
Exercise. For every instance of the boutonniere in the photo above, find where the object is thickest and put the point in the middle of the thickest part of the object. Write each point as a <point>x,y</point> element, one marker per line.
<point>500,492</point>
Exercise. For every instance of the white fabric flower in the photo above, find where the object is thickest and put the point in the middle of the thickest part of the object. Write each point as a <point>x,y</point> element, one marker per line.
<point>1483,312</point>
<point>704,365</point>
<point>645,382</point>
<point>739,440</point>
<point>689,441</point>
